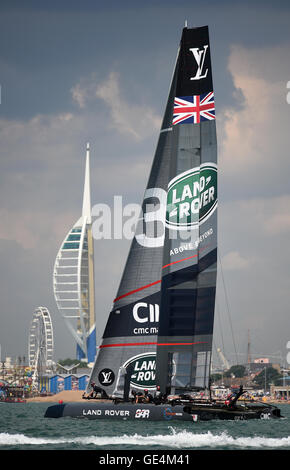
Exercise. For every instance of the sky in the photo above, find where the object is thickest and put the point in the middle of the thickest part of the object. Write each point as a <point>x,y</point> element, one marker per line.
<point>76,72</point>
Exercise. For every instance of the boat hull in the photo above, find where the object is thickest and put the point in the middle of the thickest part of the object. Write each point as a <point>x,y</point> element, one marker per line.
<point>164,412</point>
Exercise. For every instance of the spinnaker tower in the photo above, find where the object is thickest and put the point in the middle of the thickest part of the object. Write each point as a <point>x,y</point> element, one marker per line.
<point>73,278</point>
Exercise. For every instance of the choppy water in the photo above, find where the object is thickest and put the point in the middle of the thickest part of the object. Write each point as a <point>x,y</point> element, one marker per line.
<point>23,427</point>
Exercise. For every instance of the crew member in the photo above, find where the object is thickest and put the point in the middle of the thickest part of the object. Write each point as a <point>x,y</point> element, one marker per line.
<point>233,397</point>
<point>95,391</point>
<point>134,397</point>
<point>137,397</point>
<point>158,392</point>
<point>159,397</point>
<point>147,396</point>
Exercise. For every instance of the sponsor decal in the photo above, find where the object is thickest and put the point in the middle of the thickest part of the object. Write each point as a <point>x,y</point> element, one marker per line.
<point>106,377</point>
<point>142,413</point>
<point>192,245</point>
<point>148,314</point>
<point>139,318</point>
<point>199,55</point>
<point>169,414</point>
<point>143,368</point>
<point>265,415</point>
<point>192,197</point>
<point>117,413</point>
<point>92,412</point>
<point>239,418</point>
<point>143,312</point>
<point>152,330</point>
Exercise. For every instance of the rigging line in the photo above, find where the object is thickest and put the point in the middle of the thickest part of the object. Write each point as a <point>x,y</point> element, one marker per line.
<point>228,309</point>
<point>214,345</point>
<point>220,325</point>
<point>219,360</point>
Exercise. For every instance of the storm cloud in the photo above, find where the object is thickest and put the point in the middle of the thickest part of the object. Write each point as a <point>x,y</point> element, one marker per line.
<point>72,75</point>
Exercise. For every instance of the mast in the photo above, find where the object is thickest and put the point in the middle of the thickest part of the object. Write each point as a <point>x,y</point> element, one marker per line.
<point>249,349</point>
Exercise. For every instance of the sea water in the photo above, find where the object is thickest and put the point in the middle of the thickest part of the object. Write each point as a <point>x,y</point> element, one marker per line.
<point>23,427</point>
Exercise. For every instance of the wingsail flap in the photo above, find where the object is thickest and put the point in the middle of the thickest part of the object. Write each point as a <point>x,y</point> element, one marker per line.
<point>190,247</point>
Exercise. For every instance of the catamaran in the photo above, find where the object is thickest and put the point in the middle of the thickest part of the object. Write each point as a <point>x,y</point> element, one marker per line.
<point>159,332</point>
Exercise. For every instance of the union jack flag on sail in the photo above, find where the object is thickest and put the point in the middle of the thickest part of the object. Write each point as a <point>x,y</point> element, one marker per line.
<point>194,109</point>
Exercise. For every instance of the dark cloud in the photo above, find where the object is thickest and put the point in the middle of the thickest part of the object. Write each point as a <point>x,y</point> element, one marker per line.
<point>68,72</point>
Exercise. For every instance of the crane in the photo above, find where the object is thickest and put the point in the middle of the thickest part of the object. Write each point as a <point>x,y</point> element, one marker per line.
<point>223,359</point>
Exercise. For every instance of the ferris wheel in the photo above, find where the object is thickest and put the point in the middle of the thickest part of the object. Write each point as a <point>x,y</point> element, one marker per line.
<point>40,347</point>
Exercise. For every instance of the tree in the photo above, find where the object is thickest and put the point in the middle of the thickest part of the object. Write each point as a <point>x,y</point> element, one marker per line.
<point>272,376</point>
<point>215,377</point>
<point>237,371</point>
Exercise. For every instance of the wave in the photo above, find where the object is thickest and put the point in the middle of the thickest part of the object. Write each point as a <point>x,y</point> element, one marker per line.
<point>175,440</point>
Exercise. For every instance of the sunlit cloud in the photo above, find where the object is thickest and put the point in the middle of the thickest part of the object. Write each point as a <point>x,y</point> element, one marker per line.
<point>255,133</point>
<point>235,261</point>
<point>132,119</point>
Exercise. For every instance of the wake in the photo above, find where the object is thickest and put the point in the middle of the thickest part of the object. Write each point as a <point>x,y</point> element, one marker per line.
<point>175,440</point>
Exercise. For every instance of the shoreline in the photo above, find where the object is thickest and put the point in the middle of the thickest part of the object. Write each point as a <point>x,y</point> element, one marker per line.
<point>65,396</point>
<point>76,396</point>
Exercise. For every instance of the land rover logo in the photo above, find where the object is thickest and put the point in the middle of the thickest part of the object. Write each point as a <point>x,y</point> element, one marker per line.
<point>106,377</point>
<point>143,369</point>
<point>192,197</point>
